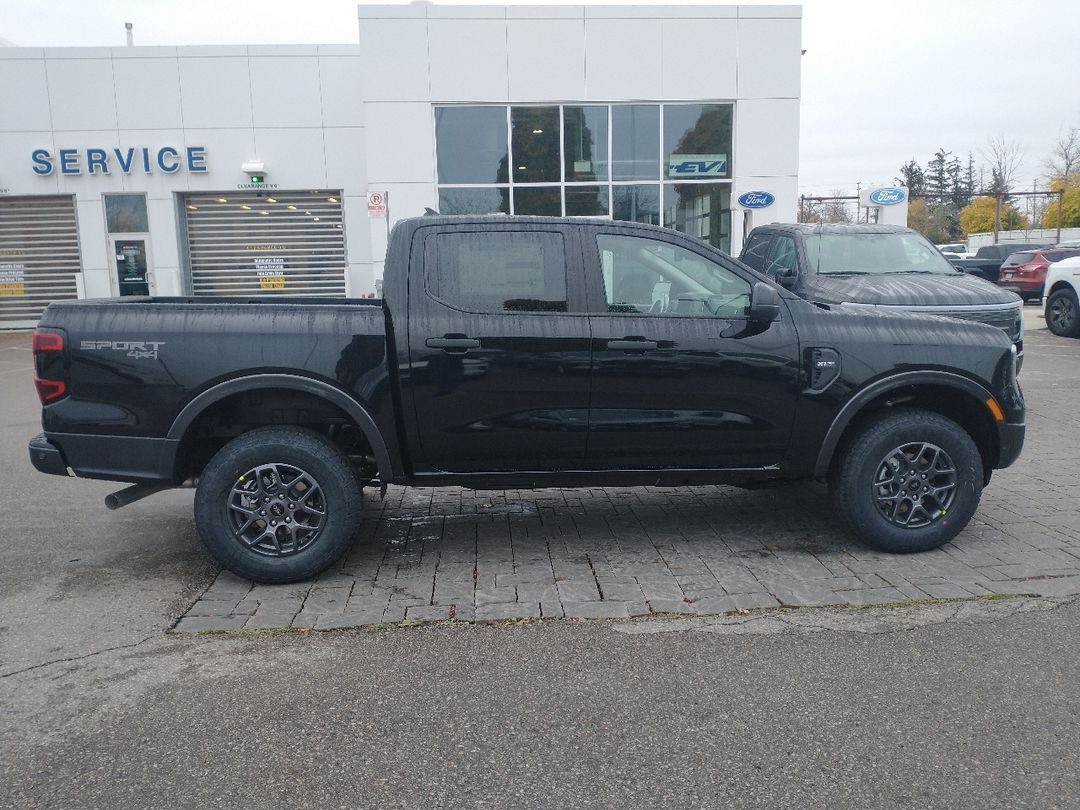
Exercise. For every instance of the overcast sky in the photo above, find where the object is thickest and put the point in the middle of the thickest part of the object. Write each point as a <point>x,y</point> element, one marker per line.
<point>883,80</point>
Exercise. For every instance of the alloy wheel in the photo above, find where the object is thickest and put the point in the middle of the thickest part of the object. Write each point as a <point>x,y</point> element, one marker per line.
<point>276,509</point>
<point>915,484</point>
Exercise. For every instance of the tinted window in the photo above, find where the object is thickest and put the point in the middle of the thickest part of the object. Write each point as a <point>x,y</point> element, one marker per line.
<point>538,202</point>
<point>697,141</point>
<point>126,213</point>
<point>586,142</point>
<point>474,200</point>
<point>1018,258</point>
<point>756,248</point>
<point>700,209</point>
<point>471,144</point>
<point>658,278</point>
<point>586,201</point>
<point>637,203</point>
<point>635,142</point>
<point>498,271</point>
<point>535,144</point>
<point>1058,255</point>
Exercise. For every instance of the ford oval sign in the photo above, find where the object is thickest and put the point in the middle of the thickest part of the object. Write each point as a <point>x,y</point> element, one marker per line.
<point>756,199</point>
<point>887,196</point>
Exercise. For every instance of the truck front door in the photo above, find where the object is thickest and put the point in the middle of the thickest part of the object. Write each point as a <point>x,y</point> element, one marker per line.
<point>498,348</point>
<point>681,377</point>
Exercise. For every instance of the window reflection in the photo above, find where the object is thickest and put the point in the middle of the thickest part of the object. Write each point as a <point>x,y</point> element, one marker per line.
<point>586,142</point>
<point>586,201</point>
<point>697,141</point>
<point>540,202</point>
<point>635,141</point>
<point>638,203</point>
<point>470,144</point>
<point>535,144</point>
<point>474,201</point>
<point>700,209</point>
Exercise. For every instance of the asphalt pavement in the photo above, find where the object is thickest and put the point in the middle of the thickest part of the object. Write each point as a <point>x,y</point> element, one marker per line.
<point>959,704</point>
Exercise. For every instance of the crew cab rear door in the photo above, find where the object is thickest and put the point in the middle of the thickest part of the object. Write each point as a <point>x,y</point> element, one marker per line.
<point>498,347</point>
<point>681,377</point>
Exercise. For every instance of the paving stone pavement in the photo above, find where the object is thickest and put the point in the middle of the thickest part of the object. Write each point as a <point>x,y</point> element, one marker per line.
<point>614,553</point>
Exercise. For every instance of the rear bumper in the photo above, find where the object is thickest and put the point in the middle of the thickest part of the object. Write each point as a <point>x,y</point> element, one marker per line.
<point>46,457</point>
<point>111,458</point>
<point>1010,443</point>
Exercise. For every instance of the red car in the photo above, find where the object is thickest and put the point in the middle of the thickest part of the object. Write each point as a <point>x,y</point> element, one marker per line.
<point>1025,272</point>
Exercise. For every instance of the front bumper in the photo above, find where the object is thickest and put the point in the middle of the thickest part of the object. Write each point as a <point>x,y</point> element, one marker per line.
<point>46,456</point>
<point>1010,443</point>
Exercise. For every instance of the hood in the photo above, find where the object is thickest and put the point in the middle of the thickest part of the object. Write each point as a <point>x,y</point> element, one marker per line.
<point>902,289</point>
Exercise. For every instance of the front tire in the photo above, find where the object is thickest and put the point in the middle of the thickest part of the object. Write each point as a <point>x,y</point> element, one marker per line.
<point>908,481</point>
<point>277,505</point>
<point>1063,314</point>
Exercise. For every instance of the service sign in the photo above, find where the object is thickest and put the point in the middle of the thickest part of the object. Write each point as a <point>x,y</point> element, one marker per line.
<point>756,199</point>
<point>133,159</point>
<point>887,196</point>
<point>697,166</point>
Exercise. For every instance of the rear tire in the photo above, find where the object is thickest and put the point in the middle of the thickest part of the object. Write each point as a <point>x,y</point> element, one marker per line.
<point>1063,313</point>
<point>277,505</point>
<point>908,481</point>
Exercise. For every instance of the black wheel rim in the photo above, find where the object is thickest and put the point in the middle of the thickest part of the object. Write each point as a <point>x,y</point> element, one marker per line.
<point>1062,313</point>
<point>915,485</point>
<point>276,509</point>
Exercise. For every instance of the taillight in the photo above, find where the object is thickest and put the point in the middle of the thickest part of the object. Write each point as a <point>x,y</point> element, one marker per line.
<point>50,373</point>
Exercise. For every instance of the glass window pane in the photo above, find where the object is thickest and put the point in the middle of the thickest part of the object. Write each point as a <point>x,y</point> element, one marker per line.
<point>126,213</point>
<point>651,276</point>
<point>754,252</point>
<point>635,142</point>
<point>474,200</point>
<point>697,140</point>
<point>585,137</point>
<point>498,271</point>
<point>539,202</point>
<point>470,144</point>
<point>586,201</point>
<point>535,144</point>
<point>700,209</point>
<point>636,203</point>
<point>783,257</point>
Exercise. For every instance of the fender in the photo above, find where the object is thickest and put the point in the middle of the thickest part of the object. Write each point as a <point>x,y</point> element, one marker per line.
<point>875,389</point>
<point>256,381</point>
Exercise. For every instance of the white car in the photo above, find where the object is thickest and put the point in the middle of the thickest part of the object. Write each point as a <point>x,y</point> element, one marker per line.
<point>958,249</point>
<point>1063,297</point>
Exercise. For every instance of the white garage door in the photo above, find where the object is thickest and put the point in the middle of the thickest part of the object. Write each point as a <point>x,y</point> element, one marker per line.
<point>39,257</point>
<point>265,243</point>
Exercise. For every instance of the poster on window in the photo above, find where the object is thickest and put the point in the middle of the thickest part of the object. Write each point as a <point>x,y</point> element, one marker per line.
<point>271,272</point>
<point>12,279</point>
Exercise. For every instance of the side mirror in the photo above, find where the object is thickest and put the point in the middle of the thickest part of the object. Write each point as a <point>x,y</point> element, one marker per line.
<point>786,277</point>
<point>764,303</point>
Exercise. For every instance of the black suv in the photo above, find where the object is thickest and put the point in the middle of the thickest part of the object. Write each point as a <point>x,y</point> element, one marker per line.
<point>883,267</point>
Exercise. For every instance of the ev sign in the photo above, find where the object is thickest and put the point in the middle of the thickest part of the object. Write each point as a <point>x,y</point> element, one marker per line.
<point>376,204</point>
<point>697,166</point>
<point>887,196</point>
<point>756,199</point>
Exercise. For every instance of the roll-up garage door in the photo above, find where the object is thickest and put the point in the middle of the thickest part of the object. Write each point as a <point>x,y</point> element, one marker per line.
<point>39,257</point>
<point>265,243</point>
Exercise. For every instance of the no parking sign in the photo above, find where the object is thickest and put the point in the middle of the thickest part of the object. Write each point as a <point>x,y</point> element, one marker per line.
<point>376,204</point>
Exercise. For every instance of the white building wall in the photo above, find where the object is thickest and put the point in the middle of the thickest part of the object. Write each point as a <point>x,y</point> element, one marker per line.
<point>422,54</point>
<point>296,108</point>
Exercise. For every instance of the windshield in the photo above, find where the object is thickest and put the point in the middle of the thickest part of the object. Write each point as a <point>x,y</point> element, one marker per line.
<point>877,253</point>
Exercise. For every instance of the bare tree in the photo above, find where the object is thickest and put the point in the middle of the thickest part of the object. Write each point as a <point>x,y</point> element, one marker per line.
<point>828,209</point>
<point>1064,160</point>
<point>1004,156</point>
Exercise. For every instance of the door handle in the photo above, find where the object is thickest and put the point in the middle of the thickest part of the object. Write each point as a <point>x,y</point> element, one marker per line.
<point>631,344</point>
<point>452,344</point>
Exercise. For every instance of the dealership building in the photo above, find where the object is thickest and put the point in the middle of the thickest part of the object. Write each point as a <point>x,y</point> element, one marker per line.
<point>250,170</point>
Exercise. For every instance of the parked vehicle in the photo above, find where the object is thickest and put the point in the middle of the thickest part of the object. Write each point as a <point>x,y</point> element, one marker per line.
<point>521,352</point>
<point>1062,311</point>
<point>882,267</point>
<point>989,258</point>
<point>957,249</point>
<point>1025,273</point>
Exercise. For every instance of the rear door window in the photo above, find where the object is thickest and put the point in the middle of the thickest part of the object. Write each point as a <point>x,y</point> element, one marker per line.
<point>1018,259</point>
<point>1058,255</point>
<point>500,271</point>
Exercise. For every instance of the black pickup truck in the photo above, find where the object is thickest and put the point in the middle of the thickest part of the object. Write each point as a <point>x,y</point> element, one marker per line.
<point>522,352</point>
